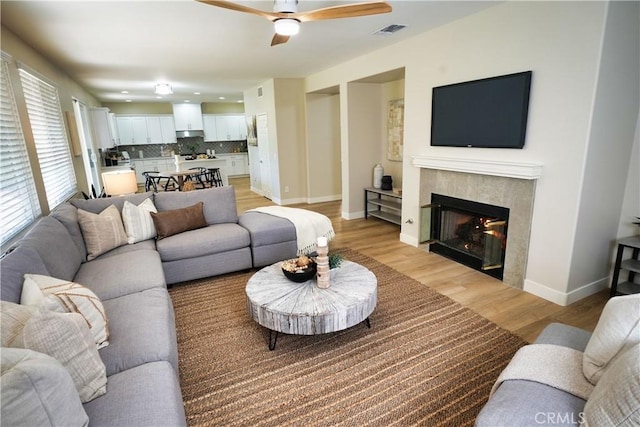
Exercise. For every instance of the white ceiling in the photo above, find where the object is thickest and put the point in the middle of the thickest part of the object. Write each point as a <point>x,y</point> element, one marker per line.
<point>111,46</point>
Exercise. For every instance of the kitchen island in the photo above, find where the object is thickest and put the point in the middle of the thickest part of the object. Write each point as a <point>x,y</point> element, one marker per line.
<point>182,164</point>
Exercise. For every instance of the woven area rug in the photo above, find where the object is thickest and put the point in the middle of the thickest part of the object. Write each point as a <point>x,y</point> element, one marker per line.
<point>426,360</point>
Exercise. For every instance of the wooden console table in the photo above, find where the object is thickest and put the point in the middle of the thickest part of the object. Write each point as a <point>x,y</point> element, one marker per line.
<point>383,199</point>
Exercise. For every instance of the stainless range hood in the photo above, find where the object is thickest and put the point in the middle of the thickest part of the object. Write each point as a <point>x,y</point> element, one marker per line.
<point>189,133</point>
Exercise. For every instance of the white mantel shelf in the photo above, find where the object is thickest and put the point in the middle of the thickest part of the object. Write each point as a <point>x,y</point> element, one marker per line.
<point>481,167</point>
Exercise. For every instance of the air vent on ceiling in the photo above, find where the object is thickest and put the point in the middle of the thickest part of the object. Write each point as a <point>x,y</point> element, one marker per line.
<point>389,29</point>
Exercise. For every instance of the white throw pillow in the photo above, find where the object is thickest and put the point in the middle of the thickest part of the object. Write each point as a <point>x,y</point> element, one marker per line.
<point>138,222</point>
<point>66,338</point>
<point>618,329</point>
<point>101,232</point>
<point>66,297</point>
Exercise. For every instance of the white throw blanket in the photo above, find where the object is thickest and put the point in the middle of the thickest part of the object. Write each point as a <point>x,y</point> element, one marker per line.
<point>309,225</point>
<point>553,365</point>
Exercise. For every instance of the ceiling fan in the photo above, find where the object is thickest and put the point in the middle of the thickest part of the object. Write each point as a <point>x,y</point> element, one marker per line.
<point>287,19</point>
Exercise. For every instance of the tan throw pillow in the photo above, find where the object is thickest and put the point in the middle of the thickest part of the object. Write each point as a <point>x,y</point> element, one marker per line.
<point>67,297</point>
<point>101,232</point>
<point>13,317</point>
<point>138,222</point>
<point>66,338</point>
<point>617,330</point>
<point>177,221</point>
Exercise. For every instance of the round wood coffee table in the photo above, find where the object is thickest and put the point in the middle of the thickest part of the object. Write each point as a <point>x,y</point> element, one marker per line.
<point>281,305</point>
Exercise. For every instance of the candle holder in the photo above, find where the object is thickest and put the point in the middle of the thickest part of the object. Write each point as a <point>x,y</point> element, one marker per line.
<point>322,263</point>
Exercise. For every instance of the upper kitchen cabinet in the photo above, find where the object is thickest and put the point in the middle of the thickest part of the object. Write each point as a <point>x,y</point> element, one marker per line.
<point>187,117</point>
<point>102,127</point>
<point>168,129</point>
<point>138,130</point>
<point>224,128</point>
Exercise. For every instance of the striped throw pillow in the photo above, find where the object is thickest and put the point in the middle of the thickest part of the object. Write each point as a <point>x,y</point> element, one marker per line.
<point>138,223</point>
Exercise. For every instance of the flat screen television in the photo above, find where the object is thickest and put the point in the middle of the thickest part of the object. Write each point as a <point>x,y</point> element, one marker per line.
<point>490,113</point>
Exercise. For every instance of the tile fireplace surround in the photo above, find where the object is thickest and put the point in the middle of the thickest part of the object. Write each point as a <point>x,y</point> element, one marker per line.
<point>507,184</point>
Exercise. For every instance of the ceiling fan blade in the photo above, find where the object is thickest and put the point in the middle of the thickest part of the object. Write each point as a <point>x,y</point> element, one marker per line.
<point>279,39</point>
<point>345,11</point>
<point>240,8</point>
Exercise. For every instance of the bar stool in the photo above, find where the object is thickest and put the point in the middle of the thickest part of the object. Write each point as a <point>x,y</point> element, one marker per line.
<point>153,180</point>
<point>214,178</point>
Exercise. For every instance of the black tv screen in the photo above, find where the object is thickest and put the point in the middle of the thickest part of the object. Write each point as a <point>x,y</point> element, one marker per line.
<point>489,112</point>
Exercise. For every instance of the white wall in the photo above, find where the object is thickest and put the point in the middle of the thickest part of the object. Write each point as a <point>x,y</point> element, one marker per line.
<point>613,123</point>
<point>561,42</point>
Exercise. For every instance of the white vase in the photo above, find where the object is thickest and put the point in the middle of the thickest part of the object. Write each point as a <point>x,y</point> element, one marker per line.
<point>378,172</point>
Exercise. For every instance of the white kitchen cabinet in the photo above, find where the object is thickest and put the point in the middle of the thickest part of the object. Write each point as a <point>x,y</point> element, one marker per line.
<point>168,129</point>
<point>138,167</point>
<point>102,128</point>
<point>187,117</point>
<point>124,124</point>
<point>210,132</point>
<point>237,164</point>
<point>138,130</point>
<point>224,127</point>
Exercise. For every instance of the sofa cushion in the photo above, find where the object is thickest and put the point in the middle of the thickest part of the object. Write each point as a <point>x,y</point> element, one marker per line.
<point>144,245</point>
<point>617,330</point>
<point>267,229</point>
<point>219,203</point>
<point>102,232</point>
<point>36,390</point>
<point>67,214</point>
<point>615,400</point>
<point>55,247</point>
<point>138,222</point>
<point>142,330</point>
<point>153,386</point>
<point>122,274</point>
<point>13,267</point>
<point>66,338</point>
<point>98,205</point>
<point>205,241</point>
<point>63,296</point>
<point>177,221</point>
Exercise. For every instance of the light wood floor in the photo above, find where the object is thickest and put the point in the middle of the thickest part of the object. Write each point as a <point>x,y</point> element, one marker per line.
<point>515,310</point>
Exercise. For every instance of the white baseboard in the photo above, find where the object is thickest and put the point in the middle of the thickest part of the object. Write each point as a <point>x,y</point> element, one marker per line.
<point>564,298</point>
<point>293,201</point>
<point>409,240</point>
<point>332,198</point>
<point>352,215</point>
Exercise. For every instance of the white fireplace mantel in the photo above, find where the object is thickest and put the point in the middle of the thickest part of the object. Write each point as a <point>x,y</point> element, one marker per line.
<point>482,167</point>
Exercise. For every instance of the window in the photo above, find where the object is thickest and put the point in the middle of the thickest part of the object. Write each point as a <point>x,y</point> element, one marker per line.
<point>50,137</point>
<point>18,197</point>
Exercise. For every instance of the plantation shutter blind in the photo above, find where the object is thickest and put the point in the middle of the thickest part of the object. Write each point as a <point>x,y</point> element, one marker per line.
<point>18,197</point>
<point>50,136</point>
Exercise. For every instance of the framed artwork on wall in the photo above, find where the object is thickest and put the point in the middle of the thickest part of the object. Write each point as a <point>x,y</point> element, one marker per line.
<point>395,130</point>
<point>252,136</point>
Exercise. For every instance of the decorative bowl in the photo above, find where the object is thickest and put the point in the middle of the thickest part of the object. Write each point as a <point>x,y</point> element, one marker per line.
<point>302,274</point>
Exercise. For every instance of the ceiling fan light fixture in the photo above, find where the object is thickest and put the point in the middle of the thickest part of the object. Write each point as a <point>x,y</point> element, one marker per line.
<point>163,89</point>
<point>287,26</point>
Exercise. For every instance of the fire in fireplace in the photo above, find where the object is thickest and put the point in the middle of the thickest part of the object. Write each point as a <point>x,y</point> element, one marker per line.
<point>472,233</point>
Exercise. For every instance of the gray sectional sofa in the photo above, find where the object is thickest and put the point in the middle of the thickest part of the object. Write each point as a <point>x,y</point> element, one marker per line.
<point>141,360</point>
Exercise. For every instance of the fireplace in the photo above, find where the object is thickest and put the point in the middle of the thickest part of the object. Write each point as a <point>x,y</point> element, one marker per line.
<point>472,233</point>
